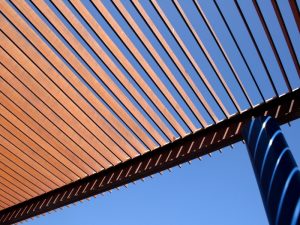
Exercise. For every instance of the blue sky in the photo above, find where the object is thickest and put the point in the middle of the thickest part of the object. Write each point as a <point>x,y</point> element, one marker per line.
<point>218,190</point>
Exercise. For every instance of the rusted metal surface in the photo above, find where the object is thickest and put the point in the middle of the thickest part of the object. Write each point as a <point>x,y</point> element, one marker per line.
<point>284,109</point>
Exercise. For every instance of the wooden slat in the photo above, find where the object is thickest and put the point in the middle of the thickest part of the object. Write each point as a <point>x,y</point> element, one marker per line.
<point>203,48</point>
<point>218,42</point>
<point>12,133</point>
<point>68,161</point>
<point>64,119</point>
<point>23,152</point>
<point>55,127</point>
<point>19,179</point>
<point>296,12</point>
<point>93,140</point>
<point>283,109</point>
<point>12,190</point>
<point>10,199</point>
<point>156,56</point>
<point>136,53</point>
<point>8,192</point>
<point>82,111</point>
<point>274,49</point>
<point>191,59</point>
<point>73,159</point>
<point>27,31</point>
<point>44,155</point>
<point>125,63</point>
<point>11,152</point>
<point>256,47</point>
<point>139,32</point>
<point>87,57</point>
<point>286,35</point>
<point>240,51</point>
<point>62,84</point>
<point>4,204</point>
<point>11,194</point>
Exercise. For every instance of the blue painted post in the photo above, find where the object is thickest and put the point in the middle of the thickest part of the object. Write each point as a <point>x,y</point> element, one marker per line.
<point>276,171</point>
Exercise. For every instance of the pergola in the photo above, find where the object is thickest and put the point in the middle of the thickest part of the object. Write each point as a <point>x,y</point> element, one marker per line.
<point>95,95</point>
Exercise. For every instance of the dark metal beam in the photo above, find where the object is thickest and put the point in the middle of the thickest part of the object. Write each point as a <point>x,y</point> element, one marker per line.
<point>285,109</point>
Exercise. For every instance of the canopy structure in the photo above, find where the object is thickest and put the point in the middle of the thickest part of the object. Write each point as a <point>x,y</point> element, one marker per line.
<point>97,94</point>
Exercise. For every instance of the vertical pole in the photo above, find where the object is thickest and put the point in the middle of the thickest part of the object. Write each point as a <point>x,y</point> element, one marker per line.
<point>276,171</point>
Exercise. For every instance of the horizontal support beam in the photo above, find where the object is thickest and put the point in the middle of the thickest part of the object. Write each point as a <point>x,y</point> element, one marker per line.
<point>285,109</point>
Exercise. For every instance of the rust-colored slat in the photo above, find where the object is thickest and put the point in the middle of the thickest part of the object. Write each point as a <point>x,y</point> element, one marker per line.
<point>138,56</point>
<point>240,51</point>
<point>90,150</point>
<point>30,186</point>
<point>8,197</point>
<point>286,35</point>
<point>131,70</point>
<point>4,204</point>
<point>165,45</point>
<point>12,190</point>
<point>71,159</point>
<point>19,179</point>
<point>296,13</point>
<point>268,34</point>
<point>203,48</point>
<point>125,63</point>
<point>55,129</point>
<point>33,105</point>
<point>256,47</point>
<point>63,85</point>
<point>30,34</point>
<point>285,108</point>
<point>68,161</point>
<point>93,140</point>
<point>23,152</point>
<point>214,35</point>
<point>8,192</point>
<point>80,49</point>
<point>13,187</point>
<point>170,52</point>
<point>11,152</point>
<point>44,154</point>
<point>164,67</point>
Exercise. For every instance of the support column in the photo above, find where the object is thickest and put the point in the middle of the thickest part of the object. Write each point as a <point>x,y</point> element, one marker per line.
<point>276,171</point>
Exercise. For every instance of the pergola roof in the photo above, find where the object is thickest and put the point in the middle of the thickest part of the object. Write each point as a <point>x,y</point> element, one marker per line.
<point>98,94</point>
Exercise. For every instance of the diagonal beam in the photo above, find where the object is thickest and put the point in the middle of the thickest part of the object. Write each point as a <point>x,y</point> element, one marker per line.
<point>285,108</point>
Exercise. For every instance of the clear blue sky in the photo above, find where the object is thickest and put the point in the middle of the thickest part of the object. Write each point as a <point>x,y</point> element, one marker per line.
<point>220,190</point>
